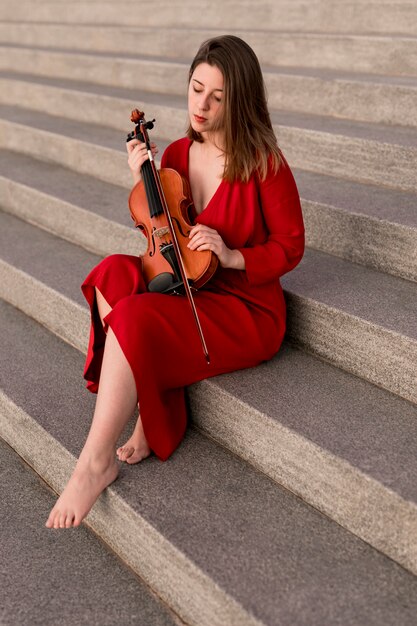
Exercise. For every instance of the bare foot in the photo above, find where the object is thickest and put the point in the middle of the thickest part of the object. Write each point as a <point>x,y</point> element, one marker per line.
<point>87,482</point>
<point>136,448</point>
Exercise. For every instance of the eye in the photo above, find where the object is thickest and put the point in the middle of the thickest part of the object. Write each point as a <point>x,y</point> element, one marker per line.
<point>197,90</point>
<point>217,99</point>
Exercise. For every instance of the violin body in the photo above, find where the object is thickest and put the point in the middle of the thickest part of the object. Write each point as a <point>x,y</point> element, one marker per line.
<point>159,263</point>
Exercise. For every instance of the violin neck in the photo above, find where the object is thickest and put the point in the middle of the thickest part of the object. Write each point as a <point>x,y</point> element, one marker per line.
<point>151,189</point>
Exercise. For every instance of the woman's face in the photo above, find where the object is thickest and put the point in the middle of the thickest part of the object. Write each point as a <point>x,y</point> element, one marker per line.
<point>205,97</point>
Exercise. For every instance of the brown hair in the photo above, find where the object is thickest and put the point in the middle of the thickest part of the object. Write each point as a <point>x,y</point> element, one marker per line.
<point>249,138</point>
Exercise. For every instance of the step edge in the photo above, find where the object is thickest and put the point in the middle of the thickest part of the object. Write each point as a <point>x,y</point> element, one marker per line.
<point>83,322</point>
<point>42,302</point>
<point>335,479</point>
<point>104,236</point>
<point>120,528</point>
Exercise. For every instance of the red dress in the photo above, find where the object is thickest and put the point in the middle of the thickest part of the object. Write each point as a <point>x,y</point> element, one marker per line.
<point>242,312</point>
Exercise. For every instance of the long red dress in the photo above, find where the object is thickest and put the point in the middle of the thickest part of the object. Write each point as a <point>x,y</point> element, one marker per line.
<point>242,312</point>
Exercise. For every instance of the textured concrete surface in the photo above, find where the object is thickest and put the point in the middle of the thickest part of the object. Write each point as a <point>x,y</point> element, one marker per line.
<point>382,300</point>
<point>109,201</point>
<point>317,143</point>
<point>102,163</point>
<point>328,437</point>
<point>385,246</point>
<point>397,17</point>
<point>81,209</point>
<point>321,94</point>
<point>375,201</point>
<point>81,226</point>
<point>61,265</point>
<point>204,492</point>
<point>385,358</point>
<point>388,133</point>
<point>362,223</point>
<point>381,486</point>
<point>334,440</point>
<point>357,318</point>
<point>359,53</point>
<point>323,316</point>
<point>98,135</point>
<point>50,577</point>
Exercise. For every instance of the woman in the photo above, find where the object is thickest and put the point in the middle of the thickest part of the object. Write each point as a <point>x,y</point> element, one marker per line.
<point>248,213</point>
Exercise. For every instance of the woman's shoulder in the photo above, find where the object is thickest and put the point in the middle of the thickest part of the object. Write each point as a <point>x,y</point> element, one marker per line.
<point>176,154</point>
<point>278,177</point>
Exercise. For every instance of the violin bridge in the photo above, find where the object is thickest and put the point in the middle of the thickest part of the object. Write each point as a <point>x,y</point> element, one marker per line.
<point>161,232</point>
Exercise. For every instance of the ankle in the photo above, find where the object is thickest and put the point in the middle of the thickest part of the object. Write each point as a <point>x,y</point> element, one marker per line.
<point>97,459</point>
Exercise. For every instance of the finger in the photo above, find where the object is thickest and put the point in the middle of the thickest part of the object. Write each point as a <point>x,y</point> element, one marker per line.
<point>210,234</point>
<point>197,241</point>
<point>131,145</point>
<point>206,246</point>
<point>199,228</point>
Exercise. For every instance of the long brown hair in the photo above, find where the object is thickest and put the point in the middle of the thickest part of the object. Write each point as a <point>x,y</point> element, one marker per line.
<point>249,140</point>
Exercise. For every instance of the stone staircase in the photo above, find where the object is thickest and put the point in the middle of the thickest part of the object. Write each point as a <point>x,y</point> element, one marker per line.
<point>293,499</point>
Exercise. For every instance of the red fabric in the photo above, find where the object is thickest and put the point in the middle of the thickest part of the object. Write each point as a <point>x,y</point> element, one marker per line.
<point>242,312</point>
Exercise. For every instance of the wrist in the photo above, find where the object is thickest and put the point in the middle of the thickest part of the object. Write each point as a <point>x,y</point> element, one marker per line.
<point>235,260</point>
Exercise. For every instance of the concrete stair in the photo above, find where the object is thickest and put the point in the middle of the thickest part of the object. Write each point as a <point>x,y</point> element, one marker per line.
<point>217,540</point>
<point>314,518</point>
<point>103,591</point>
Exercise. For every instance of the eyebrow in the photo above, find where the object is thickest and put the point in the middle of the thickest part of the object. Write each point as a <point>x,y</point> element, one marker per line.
<point>202,84</point>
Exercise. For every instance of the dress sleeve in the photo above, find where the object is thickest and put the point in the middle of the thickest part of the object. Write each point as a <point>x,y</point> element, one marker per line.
<point>283,247</point>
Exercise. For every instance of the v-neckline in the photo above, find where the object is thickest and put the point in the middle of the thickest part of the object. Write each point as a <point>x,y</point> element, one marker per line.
<point>188,176</point>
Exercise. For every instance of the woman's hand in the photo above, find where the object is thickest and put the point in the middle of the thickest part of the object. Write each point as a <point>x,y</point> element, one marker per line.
<point>137,156</point>
<point>205,238</point>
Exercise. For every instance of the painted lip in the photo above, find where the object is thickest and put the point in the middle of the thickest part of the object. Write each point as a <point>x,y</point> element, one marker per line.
<point>199,119</point>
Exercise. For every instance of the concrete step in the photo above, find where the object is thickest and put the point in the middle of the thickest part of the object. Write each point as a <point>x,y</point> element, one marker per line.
<point>50,293</point>
<point>89,583</point>
<point>357,318</point>
<point>357,97</point>
<point>393,55</point>
<point>361,223</point>
<point>357,16</point>
<point>218,541</point>
<point>338,310</point>
<point>366,224</point>
<point>367,153</point>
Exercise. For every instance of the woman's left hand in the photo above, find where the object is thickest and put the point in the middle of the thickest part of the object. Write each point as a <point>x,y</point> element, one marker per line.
<point>205,238</point>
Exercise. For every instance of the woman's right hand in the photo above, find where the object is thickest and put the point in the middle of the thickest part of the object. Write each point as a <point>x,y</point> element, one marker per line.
<point>137,156</point>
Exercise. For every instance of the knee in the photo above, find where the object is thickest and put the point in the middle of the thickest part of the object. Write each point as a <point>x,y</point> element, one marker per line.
<point>117,276</point>
<point>119,265</point>
<point>140,312</point>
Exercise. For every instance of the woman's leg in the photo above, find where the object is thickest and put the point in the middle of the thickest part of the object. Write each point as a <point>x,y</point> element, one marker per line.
<point>136,447</point>
<point>97,467</point>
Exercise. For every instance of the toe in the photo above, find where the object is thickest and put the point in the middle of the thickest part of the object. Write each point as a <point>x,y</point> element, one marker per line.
<point>133,458</point>
<point>69,520</point>
<point>49,522</point>
<point>127,452</point>
<point>121,452</point>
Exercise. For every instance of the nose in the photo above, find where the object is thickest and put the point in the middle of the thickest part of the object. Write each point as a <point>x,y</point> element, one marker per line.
<point>203,103</point>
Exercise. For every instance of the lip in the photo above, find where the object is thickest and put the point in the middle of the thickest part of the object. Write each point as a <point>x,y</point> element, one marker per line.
<point>200,120</point>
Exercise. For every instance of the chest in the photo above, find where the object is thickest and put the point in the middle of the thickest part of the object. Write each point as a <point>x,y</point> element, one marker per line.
<point>205,177</point>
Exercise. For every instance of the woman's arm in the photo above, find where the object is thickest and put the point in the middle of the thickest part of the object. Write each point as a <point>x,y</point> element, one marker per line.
<point>283,247</point>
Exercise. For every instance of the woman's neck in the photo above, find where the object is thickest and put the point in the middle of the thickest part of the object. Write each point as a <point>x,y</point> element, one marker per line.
<point>213,143</point>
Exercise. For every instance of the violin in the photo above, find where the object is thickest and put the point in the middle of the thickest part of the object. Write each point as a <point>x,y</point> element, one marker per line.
<point>161,207</point>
